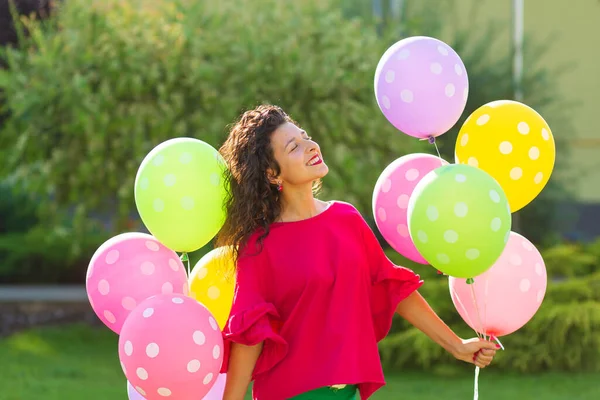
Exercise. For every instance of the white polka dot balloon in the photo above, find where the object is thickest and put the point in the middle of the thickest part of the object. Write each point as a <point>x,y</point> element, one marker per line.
<point>127,269</point>
<point>421,86</point>
<point>212,284</point>
<point>179,193</point>
<point>176,351</point>
<point>458,218</point>
<point>511,142</point>
<point>508,294</point>
<point>390,200</point>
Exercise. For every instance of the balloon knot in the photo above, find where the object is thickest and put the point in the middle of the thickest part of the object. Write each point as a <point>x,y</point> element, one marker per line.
<point>431,139</point>
<point>470,281</point>
<point>184,257</point>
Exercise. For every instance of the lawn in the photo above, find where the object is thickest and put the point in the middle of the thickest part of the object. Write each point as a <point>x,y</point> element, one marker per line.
<point>79,362</point>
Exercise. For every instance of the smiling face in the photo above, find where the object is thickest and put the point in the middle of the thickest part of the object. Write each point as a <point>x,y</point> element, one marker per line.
<point>299,158</point>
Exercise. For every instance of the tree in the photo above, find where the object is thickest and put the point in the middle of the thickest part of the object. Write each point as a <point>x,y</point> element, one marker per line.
<point>99,85</point>
<point>9,8</point>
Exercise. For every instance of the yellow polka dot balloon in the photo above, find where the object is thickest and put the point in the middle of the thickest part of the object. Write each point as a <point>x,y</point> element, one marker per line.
<point>212,283</point>
<point>511,142</point>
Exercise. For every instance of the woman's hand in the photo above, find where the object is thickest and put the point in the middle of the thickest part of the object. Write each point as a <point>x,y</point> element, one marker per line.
<point>476,351</point>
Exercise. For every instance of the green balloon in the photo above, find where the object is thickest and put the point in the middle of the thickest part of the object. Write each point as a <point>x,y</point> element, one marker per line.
<point>180,193</point>
<point>459,220</point>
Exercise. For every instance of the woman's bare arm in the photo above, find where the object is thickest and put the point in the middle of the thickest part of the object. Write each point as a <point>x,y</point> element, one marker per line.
<point>416,311</point>
<point>241,365</point>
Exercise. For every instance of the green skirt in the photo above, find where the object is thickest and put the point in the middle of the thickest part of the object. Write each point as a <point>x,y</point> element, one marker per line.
<point>326,393</point>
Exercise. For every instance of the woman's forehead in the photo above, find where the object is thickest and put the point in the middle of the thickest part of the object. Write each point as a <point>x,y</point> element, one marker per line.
<point>286,132</point>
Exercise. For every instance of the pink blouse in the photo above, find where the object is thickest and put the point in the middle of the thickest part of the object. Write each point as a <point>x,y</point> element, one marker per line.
<point>321,294</point>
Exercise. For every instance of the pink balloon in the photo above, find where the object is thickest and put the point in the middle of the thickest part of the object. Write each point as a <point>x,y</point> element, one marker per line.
<point>171,346</point>
<point>128,269</point>
<point>508,294</point>
<point>421,86</point>
<point>390,200</point>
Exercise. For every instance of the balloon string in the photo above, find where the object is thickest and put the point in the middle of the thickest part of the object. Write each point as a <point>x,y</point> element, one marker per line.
<point>431,140</point>
<point>495,339</point>
<point>481,329</point>
<point>468,317</point>
<point>485,298</point>
<point>466,312</point>
<point>186,259</point>
<point>476,385</point>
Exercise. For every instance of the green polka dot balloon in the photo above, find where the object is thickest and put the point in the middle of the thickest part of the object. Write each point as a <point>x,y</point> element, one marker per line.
<point>180,193</point>
<point>459,220</point>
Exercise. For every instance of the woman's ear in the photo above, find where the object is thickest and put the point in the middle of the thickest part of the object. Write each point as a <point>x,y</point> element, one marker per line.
<point>273,178</point>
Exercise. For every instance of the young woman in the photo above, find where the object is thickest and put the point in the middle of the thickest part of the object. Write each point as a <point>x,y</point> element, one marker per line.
<point>315,292</point>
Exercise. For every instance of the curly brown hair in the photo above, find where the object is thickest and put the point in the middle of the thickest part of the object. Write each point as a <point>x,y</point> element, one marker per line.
<point>253,201</point>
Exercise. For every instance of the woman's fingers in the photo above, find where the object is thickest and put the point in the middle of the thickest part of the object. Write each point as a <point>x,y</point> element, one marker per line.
<point>483,357</point>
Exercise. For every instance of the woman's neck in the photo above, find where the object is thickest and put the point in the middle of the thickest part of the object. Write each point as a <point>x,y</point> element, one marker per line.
<point>298,204</point>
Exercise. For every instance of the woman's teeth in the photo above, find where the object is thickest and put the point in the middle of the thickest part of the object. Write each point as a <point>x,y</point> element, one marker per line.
<point>314,160</point>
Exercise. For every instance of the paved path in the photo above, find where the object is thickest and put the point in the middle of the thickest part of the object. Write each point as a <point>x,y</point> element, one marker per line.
<point>69,293</point>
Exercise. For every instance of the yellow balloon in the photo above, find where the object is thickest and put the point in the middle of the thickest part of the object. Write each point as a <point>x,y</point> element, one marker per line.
<point>511,142</point>
<point>212,283</point>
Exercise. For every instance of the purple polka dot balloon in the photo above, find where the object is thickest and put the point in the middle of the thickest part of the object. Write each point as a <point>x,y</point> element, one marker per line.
<point>421,86</point>
<point>133,394</point>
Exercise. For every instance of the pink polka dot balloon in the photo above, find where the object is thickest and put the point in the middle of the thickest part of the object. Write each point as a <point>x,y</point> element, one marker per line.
<point>421,86</point>
<point>507,295</point>
<point>171,347</point>
<point>390,200</point>
<point>128,269</point>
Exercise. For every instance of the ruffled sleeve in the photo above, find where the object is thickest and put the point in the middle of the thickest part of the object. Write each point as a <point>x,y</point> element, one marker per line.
<point>253,319</point>
<point>390,283</point>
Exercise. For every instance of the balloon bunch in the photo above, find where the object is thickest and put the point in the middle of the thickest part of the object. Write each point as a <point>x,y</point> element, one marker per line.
<point>457,217</point>
<point>169,322</point>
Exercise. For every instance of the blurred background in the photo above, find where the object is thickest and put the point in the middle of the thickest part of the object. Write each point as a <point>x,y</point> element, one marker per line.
<point>88,88</point>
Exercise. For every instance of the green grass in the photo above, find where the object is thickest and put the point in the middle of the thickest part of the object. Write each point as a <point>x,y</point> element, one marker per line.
<point>79,362</point>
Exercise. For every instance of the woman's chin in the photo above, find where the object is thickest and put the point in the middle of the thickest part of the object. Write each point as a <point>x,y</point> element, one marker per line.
<point>322,171</point>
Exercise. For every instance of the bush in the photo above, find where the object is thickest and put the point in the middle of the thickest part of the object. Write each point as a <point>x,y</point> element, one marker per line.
<point>42,255</point>
<point>574,291</point>
<point>569,260</point>
<point>562,336</point>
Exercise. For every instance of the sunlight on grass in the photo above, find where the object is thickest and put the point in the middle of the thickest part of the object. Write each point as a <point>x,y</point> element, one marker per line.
<point>30,343</point>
